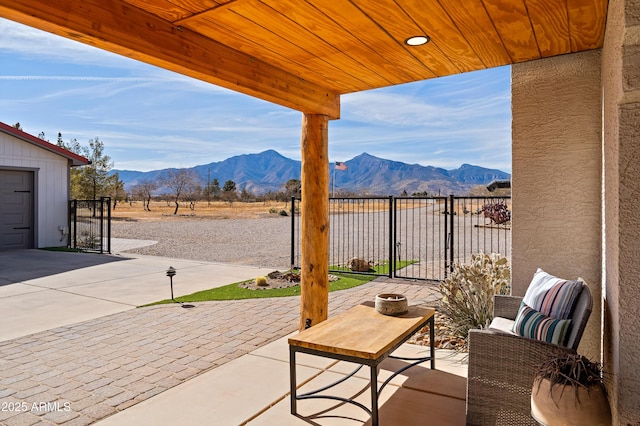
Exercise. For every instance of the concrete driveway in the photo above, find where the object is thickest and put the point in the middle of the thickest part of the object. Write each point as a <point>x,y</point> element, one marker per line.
<point>40,290</point>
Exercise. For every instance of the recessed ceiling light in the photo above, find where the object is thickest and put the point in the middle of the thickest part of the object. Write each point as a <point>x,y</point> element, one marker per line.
<point>417,40</point>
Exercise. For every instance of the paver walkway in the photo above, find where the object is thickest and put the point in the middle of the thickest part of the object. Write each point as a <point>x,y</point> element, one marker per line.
<point>77,374</point>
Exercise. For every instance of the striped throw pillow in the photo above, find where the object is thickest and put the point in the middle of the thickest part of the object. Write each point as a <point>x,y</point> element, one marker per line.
<point>552,296</point>
<point>534,325</point>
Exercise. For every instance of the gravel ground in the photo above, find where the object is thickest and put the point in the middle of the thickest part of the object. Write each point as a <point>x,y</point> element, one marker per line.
<point>262,242</point>
<point>266,242</point>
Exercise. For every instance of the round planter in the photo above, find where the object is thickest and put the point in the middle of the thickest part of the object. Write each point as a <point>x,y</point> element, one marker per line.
<point>589,406</point>
<point>391,304</point>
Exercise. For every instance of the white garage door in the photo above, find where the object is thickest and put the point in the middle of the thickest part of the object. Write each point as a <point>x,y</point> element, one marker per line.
<point>16,209</point>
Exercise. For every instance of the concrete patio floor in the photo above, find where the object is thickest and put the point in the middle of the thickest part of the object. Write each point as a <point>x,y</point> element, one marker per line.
<point>222,363</point>
<point>254,390</point>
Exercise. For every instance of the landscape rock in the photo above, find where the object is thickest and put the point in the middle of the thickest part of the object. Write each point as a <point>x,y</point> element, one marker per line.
<point>359,265</point>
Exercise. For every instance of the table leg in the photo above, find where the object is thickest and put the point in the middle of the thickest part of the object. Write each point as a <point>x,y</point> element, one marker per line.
<point>374,395</point>
<point>292,380</point>
<point>432,338</point>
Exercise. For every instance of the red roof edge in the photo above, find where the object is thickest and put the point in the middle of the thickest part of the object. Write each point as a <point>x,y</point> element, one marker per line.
<point>76,160</point>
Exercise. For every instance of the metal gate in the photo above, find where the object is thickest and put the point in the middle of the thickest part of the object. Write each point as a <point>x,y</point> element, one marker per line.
<point>421,230</point>
<point>412,237</point>
<point>90,225</point>
<point>360,228</point>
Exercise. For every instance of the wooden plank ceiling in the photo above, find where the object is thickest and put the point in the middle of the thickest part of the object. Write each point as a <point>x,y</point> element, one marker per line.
<point>305,54</point>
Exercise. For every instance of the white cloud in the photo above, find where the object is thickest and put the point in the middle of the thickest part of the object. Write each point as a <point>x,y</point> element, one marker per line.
<point>395,108</point>
<point>26,42</point>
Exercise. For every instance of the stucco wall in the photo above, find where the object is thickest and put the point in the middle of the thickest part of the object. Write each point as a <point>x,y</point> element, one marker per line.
<point>621,87</point>
<point>556,179</point>
<point>50,185</point>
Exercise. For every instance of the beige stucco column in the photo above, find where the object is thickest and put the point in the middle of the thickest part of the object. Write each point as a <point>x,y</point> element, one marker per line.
<point>557,186</point>
<point>621,86</point>
<point>314,221</point>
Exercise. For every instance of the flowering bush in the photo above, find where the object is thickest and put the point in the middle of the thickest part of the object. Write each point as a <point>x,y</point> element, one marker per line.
<point>467,293</point>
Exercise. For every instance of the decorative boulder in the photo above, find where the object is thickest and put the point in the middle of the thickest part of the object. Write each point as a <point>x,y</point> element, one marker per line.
<point>359,265</point>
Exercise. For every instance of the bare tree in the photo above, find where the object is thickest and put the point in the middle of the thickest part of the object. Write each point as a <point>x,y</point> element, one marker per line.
<point>292,188</point>
<point>144,191</point>
<point>180,182</point>
<point>193,195</point>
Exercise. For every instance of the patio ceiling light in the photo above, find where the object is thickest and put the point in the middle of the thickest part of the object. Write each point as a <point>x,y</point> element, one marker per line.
<point>417,40</point>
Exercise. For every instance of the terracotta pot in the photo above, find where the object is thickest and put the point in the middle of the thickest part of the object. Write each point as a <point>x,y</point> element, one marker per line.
<point>562,408</point>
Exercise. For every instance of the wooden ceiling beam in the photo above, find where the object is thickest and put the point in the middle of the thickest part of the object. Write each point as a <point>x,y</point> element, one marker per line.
<point>115,26</point>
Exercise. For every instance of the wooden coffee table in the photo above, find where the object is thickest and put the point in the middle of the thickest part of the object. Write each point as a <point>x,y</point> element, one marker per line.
<point>363,336</point>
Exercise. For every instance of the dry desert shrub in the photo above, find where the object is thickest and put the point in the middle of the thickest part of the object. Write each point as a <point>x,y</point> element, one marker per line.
<point>467,293</point>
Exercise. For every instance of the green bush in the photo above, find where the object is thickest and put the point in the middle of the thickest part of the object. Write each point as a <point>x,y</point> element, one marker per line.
<point>467,293</point>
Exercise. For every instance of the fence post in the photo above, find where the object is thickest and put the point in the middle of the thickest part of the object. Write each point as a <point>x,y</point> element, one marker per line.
<point>75,224</point>
<point>293,231</point>
<point>70,206</point>
<point>392,263</point>
<point>108,225</point>
<point>101,223</point>
<point>451,214</point>
<point>447,240</point>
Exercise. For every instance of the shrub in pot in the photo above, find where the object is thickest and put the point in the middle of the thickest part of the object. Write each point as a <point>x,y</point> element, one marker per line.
<point>569,390</point>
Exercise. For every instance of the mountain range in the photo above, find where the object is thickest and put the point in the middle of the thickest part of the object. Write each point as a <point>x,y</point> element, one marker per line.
<point>364,174</point>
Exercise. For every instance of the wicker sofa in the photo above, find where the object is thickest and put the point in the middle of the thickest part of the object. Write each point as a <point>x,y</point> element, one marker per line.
<point>502,365</point>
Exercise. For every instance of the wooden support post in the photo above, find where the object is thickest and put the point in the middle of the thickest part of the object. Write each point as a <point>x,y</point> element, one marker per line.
<point>314,274</point>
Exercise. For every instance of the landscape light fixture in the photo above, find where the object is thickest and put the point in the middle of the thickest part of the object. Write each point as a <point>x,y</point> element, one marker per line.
<point>171,272</point>
<point>417,40</point>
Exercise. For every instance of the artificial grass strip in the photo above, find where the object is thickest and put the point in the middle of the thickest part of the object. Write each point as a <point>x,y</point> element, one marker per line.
<point>381,269</point>
<point>235,292</point>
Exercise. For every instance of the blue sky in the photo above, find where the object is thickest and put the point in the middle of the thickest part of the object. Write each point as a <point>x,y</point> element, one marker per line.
<point>150,119</point>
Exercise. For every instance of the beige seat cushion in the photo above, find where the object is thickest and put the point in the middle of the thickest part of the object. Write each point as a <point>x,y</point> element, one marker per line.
<point>503,325</point>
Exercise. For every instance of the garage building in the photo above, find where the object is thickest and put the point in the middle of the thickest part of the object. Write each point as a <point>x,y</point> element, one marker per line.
<point>34,190</point>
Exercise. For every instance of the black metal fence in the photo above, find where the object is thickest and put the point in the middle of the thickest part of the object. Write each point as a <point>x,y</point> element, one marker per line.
<point>420,237</point>
<point>479,224</point>
<point>360,228</point>
<point>90,225</point>
<point>412,237</point>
